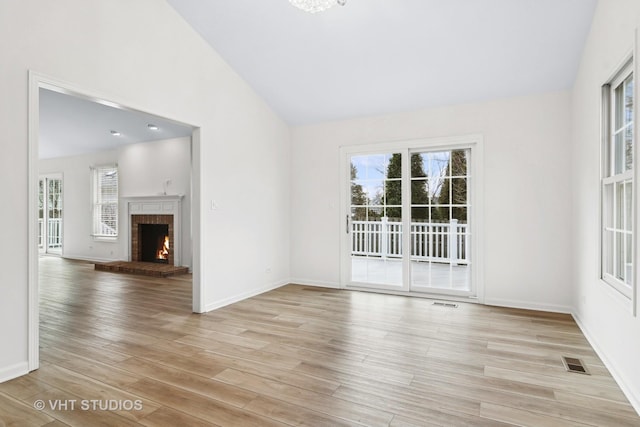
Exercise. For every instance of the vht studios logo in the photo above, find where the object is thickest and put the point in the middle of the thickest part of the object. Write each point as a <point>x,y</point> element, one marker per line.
<point>88,405</point>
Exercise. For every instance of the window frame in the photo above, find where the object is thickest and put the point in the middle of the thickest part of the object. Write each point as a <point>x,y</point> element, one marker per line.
<point>610,181</point>
<point>97,204</point>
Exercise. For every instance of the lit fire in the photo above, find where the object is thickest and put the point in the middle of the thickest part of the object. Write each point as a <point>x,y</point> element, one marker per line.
<point>163,253</point>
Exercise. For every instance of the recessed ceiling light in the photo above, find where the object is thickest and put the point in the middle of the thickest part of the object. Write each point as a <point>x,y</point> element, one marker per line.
<point>152,127</point>
<point>115,133</point>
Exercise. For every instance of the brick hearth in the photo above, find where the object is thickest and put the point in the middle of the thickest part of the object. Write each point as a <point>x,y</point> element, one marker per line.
<point>143,268</point>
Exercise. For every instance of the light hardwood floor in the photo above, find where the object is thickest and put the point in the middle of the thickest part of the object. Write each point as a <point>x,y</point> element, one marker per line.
<point>299,356</point>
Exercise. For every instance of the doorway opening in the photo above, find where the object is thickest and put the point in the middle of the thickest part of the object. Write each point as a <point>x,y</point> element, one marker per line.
<point>49,208</point>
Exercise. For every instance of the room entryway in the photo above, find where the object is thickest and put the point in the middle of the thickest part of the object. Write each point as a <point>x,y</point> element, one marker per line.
<point>94,143</point>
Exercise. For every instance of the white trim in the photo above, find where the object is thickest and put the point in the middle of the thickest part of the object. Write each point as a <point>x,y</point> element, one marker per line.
<point>426,295</point>
<point>37,81</point>
<point>527,305</point>
<point>628,389</point>
<point>88,259</point>
<point>33,324</point>
<point>237,298</point>
<point>14,371</point>
<point>432,296</point>
<point>198,227</point>
<point>315,283</point>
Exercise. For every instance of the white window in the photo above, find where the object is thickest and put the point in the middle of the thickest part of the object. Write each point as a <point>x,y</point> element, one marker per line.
<point>617,182</point>
<point>105,201</point>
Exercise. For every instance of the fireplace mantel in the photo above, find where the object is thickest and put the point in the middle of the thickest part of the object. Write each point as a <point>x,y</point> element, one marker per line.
<point>157,205</point>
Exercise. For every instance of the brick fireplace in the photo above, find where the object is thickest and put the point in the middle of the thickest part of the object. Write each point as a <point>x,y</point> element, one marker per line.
<point>137,223</point>
<point>154,210</point>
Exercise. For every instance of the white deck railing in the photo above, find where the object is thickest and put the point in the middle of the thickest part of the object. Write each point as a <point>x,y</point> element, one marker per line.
<point>54,233</point>
<point>443,242</point>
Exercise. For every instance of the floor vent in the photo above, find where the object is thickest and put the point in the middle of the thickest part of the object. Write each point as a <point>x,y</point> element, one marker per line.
<point>445,304</point>
<point>571,364</point>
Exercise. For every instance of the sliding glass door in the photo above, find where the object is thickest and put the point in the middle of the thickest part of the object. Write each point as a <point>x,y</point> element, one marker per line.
<point>408,218</point>
<point>374,221</point>
<point>440,229</point>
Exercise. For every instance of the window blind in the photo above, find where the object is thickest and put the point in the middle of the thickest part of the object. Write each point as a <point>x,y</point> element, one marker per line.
<point>105,209</point>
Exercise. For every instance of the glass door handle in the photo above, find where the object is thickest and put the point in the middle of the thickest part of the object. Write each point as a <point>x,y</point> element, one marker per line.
<point>346,224</point>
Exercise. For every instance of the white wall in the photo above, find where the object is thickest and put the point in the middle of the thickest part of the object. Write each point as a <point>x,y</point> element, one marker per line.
<point>526,195</point>
<point>143,55</point>
<point>143,168</point>
<point>605,317</point>
<point>76,204</point>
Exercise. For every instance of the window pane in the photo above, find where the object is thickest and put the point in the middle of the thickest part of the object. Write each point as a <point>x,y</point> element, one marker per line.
<point>628,148</point>
<point>440,214</point>
<point>392,192</point>
<point>628,260</point>
<point>41,199</point>
<point>618,152</point>
<point>459,213</point>
<point>459,191</point>
<point>436,164</point>
<point>607,211</point>
<point>369,167</point>
<point>393,165</point>
<point>359,214</point>
<point>619,255</point>
<point>419,214</point>
<point>358,195</point>
<point>459,162</point>
<point>418,165</point>
<point>608,253</point>
<point>419,192</point>
<point>444,196</point>
<point>628,100</point>
<point>628,205</point>
<point>374,213</point>
<point>619,206</point>
<point>619,108</point>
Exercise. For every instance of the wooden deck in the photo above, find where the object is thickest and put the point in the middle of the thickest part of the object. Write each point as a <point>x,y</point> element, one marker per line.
<point>299,356</point>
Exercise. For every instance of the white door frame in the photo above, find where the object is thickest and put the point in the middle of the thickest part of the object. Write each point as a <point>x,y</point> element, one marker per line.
<point>475,144</point>
<point>37,81</point>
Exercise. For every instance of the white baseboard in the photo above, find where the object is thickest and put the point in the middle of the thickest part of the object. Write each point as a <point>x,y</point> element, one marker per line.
<point>14,371</point>
<point>316,283</point>
<point>236,298</point>
<point>629,391</point>
<point>89,259</point>
<point>554,308</point>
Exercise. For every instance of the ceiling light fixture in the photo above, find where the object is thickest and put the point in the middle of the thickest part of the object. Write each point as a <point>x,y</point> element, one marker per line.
<point>115,133</point>
<point>152,127</point>
<point>313,6</point>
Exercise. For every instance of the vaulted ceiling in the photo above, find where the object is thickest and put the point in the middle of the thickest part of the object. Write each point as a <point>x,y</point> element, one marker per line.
<point>366,58</point>
<point>374,57</point>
